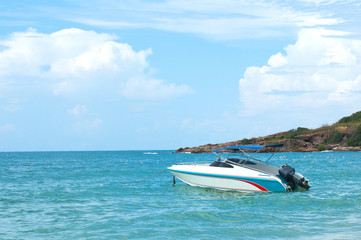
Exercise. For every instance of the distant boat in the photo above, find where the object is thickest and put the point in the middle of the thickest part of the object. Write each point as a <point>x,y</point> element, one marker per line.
<point>241,171</point>
<point>326,151</point>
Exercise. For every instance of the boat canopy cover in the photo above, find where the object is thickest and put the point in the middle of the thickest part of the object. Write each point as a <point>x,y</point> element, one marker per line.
<point>252,147</point>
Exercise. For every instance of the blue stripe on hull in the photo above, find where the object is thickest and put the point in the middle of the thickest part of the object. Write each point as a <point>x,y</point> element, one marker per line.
<point>270,184</point>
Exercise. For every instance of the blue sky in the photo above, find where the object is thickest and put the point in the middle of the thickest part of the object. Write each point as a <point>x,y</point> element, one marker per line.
<point>121,75</point>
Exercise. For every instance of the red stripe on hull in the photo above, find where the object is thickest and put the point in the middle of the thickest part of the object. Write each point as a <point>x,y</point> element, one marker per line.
<point>262,189</point>
<point>256,185</point>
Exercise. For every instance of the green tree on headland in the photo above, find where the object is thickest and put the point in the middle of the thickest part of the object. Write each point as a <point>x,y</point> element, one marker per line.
<point>355,139</point>
<point>356,117</point>
<point>335,137</point>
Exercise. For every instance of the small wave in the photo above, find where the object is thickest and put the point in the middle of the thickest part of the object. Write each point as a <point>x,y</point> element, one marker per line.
<point>150,153</point>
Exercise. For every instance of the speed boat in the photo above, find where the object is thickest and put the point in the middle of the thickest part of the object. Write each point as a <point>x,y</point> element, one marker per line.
<point>241,171</point>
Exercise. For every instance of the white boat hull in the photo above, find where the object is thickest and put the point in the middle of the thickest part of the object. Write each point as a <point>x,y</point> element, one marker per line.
<point>237,178</point>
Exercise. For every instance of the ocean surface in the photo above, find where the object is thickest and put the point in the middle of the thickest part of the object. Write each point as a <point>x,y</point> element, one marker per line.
<point>129,195</point>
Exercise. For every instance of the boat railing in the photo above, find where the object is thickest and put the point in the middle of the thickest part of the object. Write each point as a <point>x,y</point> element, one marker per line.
<point>244,157</point>
<point>193,163</point>
<point>240,151</point>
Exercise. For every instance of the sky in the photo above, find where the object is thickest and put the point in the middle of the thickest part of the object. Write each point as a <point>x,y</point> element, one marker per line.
<point>160,75</point>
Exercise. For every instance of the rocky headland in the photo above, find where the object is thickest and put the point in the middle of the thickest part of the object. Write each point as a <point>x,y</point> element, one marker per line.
<point>345,135</point>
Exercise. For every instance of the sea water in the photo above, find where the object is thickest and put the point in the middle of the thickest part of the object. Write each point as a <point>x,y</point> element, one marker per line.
<point>129,195</point>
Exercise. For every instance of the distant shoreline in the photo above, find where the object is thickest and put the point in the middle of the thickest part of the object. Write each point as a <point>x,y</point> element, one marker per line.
<point>345,135</point>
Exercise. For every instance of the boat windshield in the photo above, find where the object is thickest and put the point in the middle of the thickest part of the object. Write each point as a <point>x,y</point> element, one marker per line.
<point>220,164</point>
<point>241,161</point>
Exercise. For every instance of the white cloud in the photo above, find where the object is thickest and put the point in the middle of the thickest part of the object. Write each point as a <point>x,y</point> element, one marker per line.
<point>29,52</point>
<point>87,126</point>
<point>7,128</point>
<point>321,2</point>
<point>196,125</point>
<point>321,70</point>
<point>229,19</point>
<point>70,61</point>
<point>145,89</point>
<point>78,110</point>
<point>84,120</point>
<point>13,105</point>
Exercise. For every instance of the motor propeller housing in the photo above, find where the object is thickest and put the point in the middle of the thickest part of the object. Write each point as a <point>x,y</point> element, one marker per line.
<point>289,174</point>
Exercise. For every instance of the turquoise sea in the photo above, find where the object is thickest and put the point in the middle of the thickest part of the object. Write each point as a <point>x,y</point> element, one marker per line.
<point>128,195</point>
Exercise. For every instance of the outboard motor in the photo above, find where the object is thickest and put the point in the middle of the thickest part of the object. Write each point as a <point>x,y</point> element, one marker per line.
<point>289,174</point>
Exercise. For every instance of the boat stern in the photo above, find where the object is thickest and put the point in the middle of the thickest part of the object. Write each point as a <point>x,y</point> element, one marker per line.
<point>294,179</point>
